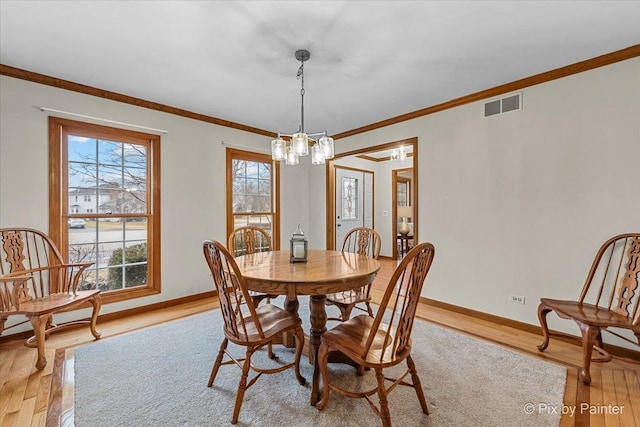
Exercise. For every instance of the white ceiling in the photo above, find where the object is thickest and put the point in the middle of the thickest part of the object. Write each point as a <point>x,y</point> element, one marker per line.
<point>370,61</point>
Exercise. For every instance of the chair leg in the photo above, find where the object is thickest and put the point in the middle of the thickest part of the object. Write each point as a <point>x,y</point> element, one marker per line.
<point>96,302</point>
<point>39,324</point>
<point>369,310</point>
<point>345,311</point>
<point>382,395</point>
<point>323,361</point>
<point>270,352</point>
<point>242,386</point>
<point>416,384</point>
<point>257,299</point>
<point>299,346</point>
<point>589,334</point>
<point>542,317</point>
<point>218,362</point>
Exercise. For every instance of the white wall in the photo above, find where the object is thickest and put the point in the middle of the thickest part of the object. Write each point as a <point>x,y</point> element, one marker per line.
<point>192,179</point>
<point>519,203</point>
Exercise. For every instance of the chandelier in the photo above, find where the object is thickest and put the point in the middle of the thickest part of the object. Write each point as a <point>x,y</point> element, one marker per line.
<point>399,153</point>
<point>297,144</point>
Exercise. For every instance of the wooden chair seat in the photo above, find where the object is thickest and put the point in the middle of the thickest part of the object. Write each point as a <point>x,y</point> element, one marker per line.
<point>588,314</point>
<point>273,320</point>
<point>348,336</point>
<point>54,303</point>
<point>609,299</point>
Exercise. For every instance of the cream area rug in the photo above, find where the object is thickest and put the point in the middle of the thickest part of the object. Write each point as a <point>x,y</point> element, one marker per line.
<point>158,377</point>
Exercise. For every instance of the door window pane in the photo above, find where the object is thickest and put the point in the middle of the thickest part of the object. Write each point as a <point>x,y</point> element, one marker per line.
<point>349,198</point>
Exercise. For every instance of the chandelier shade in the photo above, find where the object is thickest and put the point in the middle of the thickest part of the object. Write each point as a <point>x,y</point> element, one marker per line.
<point>399,153</point>
<point>298,143</point>
<point>278,147</point>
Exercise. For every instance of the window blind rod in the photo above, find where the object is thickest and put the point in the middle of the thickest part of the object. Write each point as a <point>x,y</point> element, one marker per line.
<point>53,110</point>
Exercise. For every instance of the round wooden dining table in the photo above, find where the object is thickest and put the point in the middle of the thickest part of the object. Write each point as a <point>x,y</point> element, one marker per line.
<point>325,272</point>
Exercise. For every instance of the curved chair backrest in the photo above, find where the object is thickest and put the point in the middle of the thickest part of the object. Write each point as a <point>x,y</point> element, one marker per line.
<point>235,301</point>
<point>248,240</point>
<point>394,319</point>
<point>362,240</point>
<point>613,280</point>
<point>26,251</point>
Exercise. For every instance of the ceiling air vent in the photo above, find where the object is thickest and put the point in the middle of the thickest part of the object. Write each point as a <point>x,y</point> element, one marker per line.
<point>503,105</point>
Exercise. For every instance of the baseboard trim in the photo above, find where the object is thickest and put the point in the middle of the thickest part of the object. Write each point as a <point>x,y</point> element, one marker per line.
<point>123,313</point>
<point>526,327</point>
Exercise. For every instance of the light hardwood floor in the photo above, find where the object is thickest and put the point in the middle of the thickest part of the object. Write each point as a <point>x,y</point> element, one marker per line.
<point>36,398</point>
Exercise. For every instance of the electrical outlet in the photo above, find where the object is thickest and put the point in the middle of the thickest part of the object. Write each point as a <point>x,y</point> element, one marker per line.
<point>516,298</point>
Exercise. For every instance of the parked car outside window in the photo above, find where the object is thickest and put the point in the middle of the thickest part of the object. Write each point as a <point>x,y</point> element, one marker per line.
<point>77,223</point>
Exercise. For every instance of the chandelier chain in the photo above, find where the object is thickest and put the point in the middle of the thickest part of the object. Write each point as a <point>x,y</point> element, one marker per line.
<point>300,76</point>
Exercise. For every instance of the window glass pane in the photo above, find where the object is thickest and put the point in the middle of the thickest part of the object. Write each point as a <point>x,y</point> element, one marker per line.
<point>81,252</point>
<point>402,194</point>
<point>110,153</point>
<point>134,179</point>
<point>252,169</point>
<point>134,155</point>
<point>264,187</point>
<point>262,221</point>
<point>82,175</point>
<point>252,186</point>
<point>81,149</point>
<point>94,279</point>
<point>349,198</point>
<point>115,201</point>
<point>135,230</point>
<point>239,204</point>
<point>265,171</point>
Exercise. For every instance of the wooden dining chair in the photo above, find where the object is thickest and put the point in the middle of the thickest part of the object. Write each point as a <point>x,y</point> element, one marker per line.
<point>609,299</point>
<point>246,324</point>
<point>249,240</point>
<point>383,341</point>
<point>364,241</point>
<point>36,282</point>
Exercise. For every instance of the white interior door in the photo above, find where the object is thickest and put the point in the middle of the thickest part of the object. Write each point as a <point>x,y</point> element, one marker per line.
<point>354,201</point>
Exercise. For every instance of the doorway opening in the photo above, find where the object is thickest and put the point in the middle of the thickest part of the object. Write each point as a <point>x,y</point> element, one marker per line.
<point>385,209</point>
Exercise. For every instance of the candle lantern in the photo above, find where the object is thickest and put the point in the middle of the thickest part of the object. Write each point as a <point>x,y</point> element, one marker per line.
<point>299,246</point>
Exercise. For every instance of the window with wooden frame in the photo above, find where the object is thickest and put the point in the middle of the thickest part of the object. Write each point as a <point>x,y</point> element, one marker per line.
<point>105,205</point>
<point>253,180</point>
